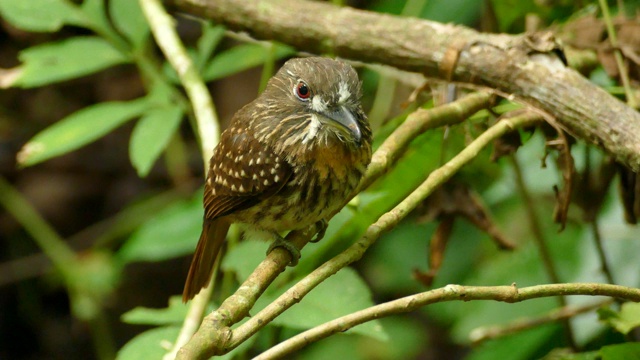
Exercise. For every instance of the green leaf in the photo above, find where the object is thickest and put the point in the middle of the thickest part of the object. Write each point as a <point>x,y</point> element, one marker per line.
<point>626,351</point>
<point>151,136</point>
<point>624,321</point>
<point>341,294</point>
<point>40,15</point>
<point>522,345</point>
<point>172,232</point>
<point>96,14</point>
<point>149,345</point>
<point>78,129</point>
<point>240,58</point>
<point>207,43</point>
<point>466,12</point>
<point>128,18</point>
<point>244,257</point>
<point>175,313</point>
<point>78,56</point>
<point>153,345</point>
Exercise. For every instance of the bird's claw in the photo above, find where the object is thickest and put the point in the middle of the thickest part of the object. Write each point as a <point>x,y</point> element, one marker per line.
<point>281,242</point>
<point>322,224</point>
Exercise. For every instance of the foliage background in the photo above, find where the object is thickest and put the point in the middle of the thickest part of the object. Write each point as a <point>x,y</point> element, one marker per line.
<point>118,186</point>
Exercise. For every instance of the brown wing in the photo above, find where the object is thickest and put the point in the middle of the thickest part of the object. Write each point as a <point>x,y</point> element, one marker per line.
<point>241,174</point>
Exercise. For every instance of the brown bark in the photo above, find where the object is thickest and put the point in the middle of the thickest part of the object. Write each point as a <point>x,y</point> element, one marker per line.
<point>511,64</point>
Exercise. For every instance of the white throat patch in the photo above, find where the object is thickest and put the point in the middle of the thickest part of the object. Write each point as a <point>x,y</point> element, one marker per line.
<point>312,129</point>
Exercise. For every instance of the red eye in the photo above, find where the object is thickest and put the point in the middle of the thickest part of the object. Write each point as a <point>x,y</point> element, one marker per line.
<point>302,91</point>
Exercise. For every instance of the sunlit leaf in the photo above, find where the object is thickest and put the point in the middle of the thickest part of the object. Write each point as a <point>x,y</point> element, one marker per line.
<point>173,314</point>
<point>79,129</point>
<point>151,136</point>
<point>624,321</point>
<point>128,18</point>
<point>40,15</point>
<point>244,257</point>
<point>207,43</point>
<point>172,232</point>
<point>339,295</point>
<point>96,13</point>
<point>240,58</point>
<point>150,345</point>
<point>66,59</point>
<point>626,351</point>
<point>522,345</point>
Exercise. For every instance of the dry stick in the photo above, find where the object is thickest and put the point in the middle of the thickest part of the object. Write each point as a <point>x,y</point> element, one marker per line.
<point>482,334</point>
<point>509,294</point>
<point>385,222</point>
<point>499,61</point>
<point>214,334</point>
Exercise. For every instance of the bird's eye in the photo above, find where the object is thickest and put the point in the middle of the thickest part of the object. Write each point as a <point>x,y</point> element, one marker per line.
<point>302,91</point>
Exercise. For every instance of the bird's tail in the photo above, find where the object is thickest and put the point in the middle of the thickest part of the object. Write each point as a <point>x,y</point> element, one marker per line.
<point>211,240</point>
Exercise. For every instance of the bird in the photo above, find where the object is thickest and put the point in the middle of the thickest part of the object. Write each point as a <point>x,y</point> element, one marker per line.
<point>287,160</point>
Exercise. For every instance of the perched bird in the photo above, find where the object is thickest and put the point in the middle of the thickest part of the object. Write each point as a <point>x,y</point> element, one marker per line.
<point>287,160</point>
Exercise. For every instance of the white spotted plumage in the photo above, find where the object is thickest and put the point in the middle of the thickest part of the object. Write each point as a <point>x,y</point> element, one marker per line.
<point>285,163</point>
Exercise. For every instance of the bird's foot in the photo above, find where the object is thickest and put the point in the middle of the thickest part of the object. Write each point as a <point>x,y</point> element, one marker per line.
<point>283,243</point>
<point>322,225</point>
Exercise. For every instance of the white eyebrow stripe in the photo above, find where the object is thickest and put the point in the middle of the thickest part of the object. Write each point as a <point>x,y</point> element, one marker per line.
<point>343,92</point>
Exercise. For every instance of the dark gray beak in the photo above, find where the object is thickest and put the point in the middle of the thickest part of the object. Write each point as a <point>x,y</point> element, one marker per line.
<point>346,120</point>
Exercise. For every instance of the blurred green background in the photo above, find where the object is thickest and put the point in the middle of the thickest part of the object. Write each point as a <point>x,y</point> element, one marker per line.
<point>100,191</point>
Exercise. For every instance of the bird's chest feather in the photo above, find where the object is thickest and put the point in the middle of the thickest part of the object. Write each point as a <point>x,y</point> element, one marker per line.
<point>322,181</point>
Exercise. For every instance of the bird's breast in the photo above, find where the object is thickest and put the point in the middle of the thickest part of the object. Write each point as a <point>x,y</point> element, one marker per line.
<point>319,186</point>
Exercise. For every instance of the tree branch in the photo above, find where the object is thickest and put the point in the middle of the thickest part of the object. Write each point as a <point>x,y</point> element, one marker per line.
<point>509,294</point>
<point>520,65</point>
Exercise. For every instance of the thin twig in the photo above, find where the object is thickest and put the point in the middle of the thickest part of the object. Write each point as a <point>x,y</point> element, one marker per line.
<point>482,334</point>
<point>508,294</point>
<point>540,241</point>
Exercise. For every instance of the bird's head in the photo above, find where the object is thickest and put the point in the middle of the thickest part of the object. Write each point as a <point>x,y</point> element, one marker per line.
<point>315,101</point>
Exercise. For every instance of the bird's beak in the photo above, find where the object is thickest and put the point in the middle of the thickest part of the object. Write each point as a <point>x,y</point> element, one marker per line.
<point>346,121</point>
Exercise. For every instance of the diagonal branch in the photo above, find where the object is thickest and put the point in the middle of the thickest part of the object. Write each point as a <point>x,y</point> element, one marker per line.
<point>520,65</point>
<point>509,294</point>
